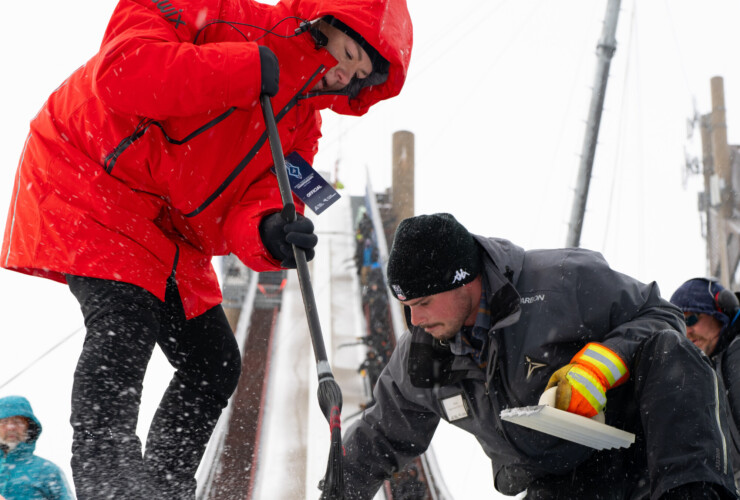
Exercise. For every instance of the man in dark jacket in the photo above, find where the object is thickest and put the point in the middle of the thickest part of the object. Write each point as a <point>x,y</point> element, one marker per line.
<point>23,475</point>
<point>711,312</point>
<point>492,326</point>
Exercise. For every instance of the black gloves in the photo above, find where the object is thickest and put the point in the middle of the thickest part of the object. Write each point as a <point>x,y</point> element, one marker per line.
<point>270,71</point>
<point>278,236</point>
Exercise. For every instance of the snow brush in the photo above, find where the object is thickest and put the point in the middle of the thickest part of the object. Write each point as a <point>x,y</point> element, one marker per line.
<point>329,393</point>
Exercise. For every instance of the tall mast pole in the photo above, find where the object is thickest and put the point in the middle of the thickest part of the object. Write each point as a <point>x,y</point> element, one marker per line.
<point>604,51</point>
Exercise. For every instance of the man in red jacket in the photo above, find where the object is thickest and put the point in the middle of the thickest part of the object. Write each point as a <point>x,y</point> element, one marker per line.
<point>152,158</point>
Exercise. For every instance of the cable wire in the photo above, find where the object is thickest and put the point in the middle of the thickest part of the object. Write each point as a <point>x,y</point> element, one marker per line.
<point>34,362</point>
<point>671,24</point>
<point>423,51</point>
<point>545,204</point>
<point>632,66</point>
<point>620,129</point>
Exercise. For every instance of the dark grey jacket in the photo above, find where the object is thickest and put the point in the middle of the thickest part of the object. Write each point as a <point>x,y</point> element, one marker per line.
<point>545,306</point>
<point>726,360</point>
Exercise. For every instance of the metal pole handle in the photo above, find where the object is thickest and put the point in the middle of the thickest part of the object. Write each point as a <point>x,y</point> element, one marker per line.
<point>289,214</point>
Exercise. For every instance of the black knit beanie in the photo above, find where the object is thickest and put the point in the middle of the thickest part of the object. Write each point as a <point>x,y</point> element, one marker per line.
<point>431,254</point>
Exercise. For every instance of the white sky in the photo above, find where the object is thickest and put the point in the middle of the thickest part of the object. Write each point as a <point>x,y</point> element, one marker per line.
<point>497,96</point>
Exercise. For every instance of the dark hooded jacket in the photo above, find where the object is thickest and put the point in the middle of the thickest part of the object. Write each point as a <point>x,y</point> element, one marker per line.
<point>545,306</point>
<point>726,361</point>
<point>703,296</point>
<point>23,475</point>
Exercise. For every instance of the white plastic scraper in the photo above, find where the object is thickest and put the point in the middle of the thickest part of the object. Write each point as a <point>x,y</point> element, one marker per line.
<point>582,430</point>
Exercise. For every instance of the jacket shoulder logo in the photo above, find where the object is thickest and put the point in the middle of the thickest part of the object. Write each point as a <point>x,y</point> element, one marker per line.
<point>533,365</point>
<point>169,12</point>
<point>534,298</point>
<point>460,275</point>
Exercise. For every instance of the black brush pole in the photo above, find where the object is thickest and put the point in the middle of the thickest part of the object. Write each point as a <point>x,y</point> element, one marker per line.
<point>329,393</point>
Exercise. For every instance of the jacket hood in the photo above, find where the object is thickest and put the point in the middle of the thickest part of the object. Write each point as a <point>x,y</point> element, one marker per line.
<point>384,24</point>
<point>508,257</point>
<point>12,406</point>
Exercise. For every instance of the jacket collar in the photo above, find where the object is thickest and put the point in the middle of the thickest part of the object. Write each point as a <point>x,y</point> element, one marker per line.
<point>503,297</point>
<point>21,452</point>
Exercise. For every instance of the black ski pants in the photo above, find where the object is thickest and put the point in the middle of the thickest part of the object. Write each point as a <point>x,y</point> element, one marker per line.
<point>123,323</point>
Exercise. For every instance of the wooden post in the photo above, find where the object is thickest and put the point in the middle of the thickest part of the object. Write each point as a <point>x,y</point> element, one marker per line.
<point>402,202</point>
<point>710,212</point>
<point>720,148</point>
<point>403,176</point>
<point>721,163</point>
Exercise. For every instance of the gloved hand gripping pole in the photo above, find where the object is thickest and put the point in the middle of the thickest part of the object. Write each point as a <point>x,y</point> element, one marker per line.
<point>329,393</point>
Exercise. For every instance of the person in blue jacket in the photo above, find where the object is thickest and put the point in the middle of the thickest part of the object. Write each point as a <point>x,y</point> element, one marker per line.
<point>23,475</point>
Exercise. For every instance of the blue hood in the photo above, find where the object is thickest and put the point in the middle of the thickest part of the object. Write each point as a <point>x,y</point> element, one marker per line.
<point>11,406</point>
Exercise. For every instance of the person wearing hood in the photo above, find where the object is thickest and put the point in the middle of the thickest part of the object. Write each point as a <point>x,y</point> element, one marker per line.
<point>23,475</point>
<point>493,327</point>
<point>152,158</point>
<point>711,313</point>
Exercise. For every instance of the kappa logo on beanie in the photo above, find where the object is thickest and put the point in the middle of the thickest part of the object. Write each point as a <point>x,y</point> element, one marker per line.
<point>460,275</point>
<point>431,254</point>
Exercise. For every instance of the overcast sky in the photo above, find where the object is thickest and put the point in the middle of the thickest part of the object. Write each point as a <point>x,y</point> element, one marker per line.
<point>497,95</point>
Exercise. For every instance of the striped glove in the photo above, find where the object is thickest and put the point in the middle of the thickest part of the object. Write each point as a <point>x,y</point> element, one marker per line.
<point>582,384</point>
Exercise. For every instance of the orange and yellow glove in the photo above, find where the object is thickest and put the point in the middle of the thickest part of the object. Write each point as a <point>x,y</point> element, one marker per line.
<point>582,384</point>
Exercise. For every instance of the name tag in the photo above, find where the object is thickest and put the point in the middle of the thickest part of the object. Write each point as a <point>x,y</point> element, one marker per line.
<point>456,407</point>
<point>308,185</point>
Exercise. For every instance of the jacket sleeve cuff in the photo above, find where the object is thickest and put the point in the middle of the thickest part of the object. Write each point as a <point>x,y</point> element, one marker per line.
<point>604,362</point>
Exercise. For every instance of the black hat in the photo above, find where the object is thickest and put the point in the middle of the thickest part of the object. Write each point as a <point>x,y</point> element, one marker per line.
<point>431,254</point>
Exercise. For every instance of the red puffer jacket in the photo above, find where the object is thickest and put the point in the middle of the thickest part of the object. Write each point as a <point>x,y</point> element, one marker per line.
<point>157,148</point>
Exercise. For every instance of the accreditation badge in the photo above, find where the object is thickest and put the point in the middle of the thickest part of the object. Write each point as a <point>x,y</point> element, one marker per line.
<point>308,185</point>
<point>455,407</point>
